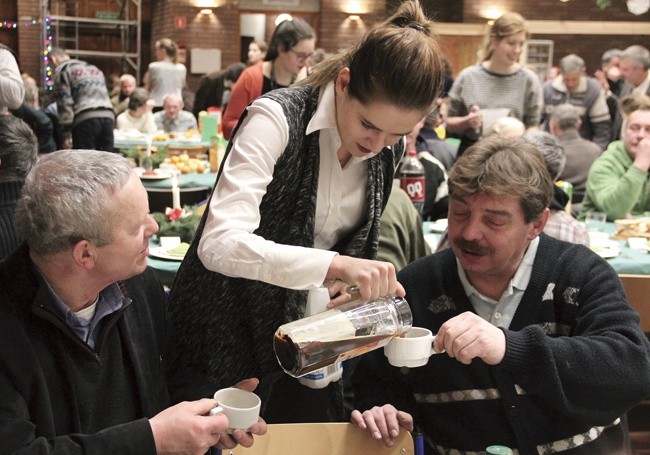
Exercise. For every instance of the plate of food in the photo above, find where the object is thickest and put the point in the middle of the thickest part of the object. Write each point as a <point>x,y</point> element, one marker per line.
<point>606,252</point>
<point>176,253</point>
<point>439,225</point>
<point>155,175</point>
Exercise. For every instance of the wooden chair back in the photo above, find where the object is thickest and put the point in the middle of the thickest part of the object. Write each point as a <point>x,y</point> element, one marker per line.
<point>637,289</point>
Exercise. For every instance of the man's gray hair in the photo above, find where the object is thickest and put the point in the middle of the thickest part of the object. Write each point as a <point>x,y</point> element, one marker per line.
<point>638,54</point>
<point>571,63</point>
<point>610,54</point>
<point>18,148</point>
<point>550,148</point>
<point>67,197</point>
<point>565,116</point>
<point>127,77</point>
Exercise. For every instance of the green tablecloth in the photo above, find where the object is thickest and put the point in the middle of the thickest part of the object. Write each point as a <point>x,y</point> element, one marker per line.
<point>629,261</point>
<point>206,179</point>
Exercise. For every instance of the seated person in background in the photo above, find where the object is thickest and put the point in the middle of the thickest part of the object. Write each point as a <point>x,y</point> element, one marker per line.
<point>214,88</point>
<point>580,153</point>
<point>443,151</point>
<point>120,100</point>
<point>618,180</point>
<point>560,224</point>
<point>173,119</point>
<point>435,189</point>
<point>18,151</point>
<point>542,352</point>
<point>401,239</point>
<point>38,121</point>
<point>83,322</point>
<point>586,94</point>
<point>139,116</point>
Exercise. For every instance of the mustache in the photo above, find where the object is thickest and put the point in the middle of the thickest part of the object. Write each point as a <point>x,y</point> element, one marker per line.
<point>471,246</point>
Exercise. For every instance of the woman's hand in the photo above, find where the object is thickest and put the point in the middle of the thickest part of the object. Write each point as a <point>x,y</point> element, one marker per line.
<point>372,279</point>
<point>383,422</point>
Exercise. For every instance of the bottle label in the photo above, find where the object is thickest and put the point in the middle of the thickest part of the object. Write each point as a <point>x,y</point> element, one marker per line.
<point>414,187</point>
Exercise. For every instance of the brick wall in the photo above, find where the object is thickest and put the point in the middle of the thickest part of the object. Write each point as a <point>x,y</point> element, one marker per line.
<point>334,30</point>
<point>29,39</point>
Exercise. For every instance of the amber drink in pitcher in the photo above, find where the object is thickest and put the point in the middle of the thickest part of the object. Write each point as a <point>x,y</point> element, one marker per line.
<point>341,333</point>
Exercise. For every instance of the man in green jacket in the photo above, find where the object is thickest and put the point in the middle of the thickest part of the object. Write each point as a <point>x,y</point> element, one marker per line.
<point>618,179</point>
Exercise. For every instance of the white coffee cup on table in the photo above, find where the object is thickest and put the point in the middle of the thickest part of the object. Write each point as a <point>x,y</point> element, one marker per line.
<point>412,350</point>
<point>241,407</point>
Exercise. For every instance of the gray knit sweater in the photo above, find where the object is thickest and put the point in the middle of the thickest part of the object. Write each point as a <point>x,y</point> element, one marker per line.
<point>226,325</point>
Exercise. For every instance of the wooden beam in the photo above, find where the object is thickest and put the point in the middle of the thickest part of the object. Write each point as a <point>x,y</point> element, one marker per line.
<point>553,28</point>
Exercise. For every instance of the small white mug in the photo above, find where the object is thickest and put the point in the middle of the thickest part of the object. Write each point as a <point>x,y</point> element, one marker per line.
<point>241,407</point>
<point>412,350</point>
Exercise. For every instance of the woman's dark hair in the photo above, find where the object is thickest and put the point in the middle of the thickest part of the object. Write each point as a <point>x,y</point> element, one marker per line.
<point>286,35</point>
<point>138,98</point>
<point>397,62</point>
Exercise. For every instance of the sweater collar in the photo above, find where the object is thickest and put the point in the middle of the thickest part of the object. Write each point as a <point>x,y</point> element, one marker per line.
<point>10,192</point>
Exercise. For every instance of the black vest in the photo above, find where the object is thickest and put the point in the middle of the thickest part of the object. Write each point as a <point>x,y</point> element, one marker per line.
<point>226,325</point>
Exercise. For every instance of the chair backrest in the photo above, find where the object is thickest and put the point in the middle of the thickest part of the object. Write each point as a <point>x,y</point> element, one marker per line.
<point>322,439</point>
<point>637,289</point>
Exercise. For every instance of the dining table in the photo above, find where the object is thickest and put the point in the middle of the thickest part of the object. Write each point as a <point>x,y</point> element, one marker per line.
<point>628,260</point>
<point>623,259</point>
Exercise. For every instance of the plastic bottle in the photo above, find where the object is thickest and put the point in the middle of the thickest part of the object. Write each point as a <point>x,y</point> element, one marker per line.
<point>318,379</point>
<point>411,178</point>
<point>213,154</point>
<point>567,187</point>
<point>347,331</point>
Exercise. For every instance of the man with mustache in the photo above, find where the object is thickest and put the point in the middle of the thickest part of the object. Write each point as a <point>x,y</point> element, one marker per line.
<point>542,352</point>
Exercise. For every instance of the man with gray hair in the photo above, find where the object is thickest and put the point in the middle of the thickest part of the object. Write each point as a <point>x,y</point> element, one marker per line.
<point>635,67</point>
<point>84,334</point>
<point>585,93</point>
<point>173,119</point>
<point>529,330</point>
<point>560,224</point>
<point>120,100</point>
<point>580,153</point>
<point>18,148</point>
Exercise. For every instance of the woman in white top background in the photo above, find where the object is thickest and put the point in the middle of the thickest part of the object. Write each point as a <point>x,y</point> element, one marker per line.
<point>138,116</point>
<point>498,83</point>
<point>165,75</point>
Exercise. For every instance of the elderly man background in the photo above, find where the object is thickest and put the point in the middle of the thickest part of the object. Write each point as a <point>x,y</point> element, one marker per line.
<point>585,93</point>
<point>84,335</point>
<point>618,180</point>
<point>173,118</point>
<point>120,101</point>
<point>534,330</point>
<point>580,153</point>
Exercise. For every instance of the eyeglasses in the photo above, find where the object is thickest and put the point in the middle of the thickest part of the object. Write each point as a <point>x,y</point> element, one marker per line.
<point>301,56</point>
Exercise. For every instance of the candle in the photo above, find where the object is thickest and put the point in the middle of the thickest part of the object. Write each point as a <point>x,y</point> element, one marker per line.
<point>176,193</point>
<point>149,139</point>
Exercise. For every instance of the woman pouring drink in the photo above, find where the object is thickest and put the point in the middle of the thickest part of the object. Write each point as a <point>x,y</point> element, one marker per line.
<point>295,212</point>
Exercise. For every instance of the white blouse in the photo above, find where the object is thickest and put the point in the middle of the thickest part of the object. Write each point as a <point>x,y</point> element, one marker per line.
<point>228,245</point>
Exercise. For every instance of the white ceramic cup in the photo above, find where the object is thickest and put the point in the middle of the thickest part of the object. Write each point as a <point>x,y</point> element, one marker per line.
<point>241,407</point>
<point>412,350</point>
